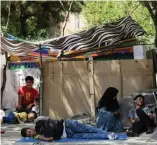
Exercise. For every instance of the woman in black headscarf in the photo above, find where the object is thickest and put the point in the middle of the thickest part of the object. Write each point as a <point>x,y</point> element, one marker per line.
<point>108,112</point>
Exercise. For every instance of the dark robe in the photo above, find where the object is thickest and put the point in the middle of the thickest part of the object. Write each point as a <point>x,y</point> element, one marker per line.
<point>109,100</point>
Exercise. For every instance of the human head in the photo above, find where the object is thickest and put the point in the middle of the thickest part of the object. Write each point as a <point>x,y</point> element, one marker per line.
<point>36,101</point>
<point>139,100</point>
<point>110,94</point>
<point>31,116</point>
<point>28,132</point>
<point>29,81</point>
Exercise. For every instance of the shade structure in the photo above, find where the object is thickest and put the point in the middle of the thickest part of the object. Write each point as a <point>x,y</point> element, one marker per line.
<point>80,45</point>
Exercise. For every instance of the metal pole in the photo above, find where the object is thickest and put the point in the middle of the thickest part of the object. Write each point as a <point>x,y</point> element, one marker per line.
<point>41,82</point>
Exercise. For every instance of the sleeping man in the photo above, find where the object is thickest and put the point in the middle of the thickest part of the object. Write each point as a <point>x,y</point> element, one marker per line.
<point>49,130</point>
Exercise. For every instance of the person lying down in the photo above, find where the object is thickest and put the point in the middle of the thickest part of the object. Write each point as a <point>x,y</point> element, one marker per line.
<point>11,117</point>
<point>49,130</point>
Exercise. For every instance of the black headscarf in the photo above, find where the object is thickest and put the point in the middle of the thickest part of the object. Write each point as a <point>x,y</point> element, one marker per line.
<point>108,101</point>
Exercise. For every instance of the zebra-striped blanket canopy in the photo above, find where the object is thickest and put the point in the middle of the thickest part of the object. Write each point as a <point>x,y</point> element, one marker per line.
<point>123,31</point>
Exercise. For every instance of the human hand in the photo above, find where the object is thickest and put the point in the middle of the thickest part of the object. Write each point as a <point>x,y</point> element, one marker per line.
<point>133,121</point>
<point>151,116</point>
<point>29,106</point>
<point>49,139</point>
<point>117,114</point>
<point>20,122</point>
<point>19,106</point>
<point>20,94</point>
<point>137,107</point>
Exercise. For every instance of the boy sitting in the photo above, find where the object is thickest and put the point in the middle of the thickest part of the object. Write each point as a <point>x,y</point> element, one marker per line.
<point>141,118</point>
<point>27,95</point>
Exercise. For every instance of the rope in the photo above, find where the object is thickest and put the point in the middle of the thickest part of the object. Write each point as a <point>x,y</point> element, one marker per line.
<point>135,9</point>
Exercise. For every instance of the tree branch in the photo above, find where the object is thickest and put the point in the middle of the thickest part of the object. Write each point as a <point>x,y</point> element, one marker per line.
<point>66,18</point>
<point>62,5</point>
<point>153,6</point>
<point>147,5</point>
<point>9,5</point>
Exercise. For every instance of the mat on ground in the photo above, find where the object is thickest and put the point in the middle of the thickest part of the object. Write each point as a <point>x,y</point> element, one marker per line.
<point>29,139</point>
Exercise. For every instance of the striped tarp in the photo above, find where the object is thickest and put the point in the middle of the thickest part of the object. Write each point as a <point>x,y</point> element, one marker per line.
<point>94,40</point>
<point>101,36</point>
<point>16,47</point>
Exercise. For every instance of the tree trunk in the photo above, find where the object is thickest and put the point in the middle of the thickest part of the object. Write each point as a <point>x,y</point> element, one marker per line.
<point>156,36</point>
<point>23,18</point>
<point>155,23</point>
<point>152,8</point>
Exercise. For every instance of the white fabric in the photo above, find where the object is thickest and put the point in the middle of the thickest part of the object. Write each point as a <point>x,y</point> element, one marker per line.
<point>2,114</point>
<point>16,79</point>
<point>64,135</point>
<point>36,109</point>
<point>2,63</point>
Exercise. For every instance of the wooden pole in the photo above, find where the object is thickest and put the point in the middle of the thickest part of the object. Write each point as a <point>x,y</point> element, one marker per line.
<point>41,82</point>
<point>92,92</point>
<point>121,78</point>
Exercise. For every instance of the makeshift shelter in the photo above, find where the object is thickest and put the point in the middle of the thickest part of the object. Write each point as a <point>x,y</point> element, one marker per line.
<point>107,41</point>
<point>96,41</point>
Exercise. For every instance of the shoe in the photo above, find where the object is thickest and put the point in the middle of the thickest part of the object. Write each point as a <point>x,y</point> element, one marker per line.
<point>2,131</point>
<point>132,134</point>
<point>149,131</point>
<point>112,136</point>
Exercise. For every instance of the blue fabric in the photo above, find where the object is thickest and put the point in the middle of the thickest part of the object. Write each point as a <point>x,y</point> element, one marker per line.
<point>75,129</point>
<point>105,120</point>
<point>10,117</point>
<point>80,132</point>
<point>28,139</point>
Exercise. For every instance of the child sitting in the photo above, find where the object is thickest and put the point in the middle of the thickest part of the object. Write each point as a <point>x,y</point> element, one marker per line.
<point>14,117</point>
<point>141,118</point>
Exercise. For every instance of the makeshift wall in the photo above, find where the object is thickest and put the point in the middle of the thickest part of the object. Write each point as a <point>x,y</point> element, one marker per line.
<point>15,79</point>
<point>72,88</point>
<point>66,89</point>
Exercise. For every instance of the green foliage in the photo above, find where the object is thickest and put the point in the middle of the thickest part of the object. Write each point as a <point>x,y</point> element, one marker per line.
<point>100,12</point>
<point>33,19</point>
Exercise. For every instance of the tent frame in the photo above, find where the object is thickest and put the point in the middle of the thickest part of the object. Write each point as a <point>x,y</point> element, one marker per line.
<point>41,82</point>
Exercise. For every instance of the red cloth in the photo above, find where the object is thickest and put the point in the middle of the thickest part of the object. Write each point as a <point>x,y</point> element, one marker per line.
<point>29,94</point>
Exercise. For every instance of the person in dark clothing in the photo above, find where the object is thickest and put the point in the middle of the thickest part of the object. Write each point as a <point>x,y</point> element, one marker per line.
<point>49,130</point>
<point>108,111</point>
<point>141,118</point>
